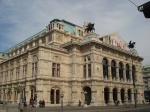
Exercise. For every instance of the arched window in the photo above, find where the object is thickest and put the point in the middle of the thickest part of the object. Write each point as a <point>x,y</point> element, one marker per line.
<point>129,94</point>
<point>55,96</point>
<point>127,72</point>
<point>105,67</point>
<point>113,69</point>
<point>121,70</point>
<point>133,73</point>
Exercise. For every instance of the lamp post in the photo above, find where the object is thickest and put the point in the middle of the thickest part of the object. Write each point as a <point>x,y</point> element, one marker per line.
<point>2,98</point>
<point>133,78</point>
<point>134,52</point>
<point>62,95</point>
<point>21,98</point>
<point>35,98</point>
<point>6,92</point>
<point>85,102</point>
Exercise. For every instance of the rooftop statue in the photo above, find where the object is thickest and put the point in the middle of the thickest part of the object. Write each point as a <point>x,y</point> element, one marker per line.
<point>89,27</point>
<point>131,45</point>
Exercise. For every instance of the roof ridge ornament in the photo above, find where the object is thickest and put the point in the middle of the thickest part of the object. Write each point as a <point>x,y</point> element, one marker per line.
<point>89,28</point>
<point>131,45</point>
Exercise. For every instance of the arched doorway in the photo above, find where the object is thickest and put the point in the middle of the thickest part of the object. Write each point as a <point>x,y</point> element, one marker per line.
<point>105,67</point>
<point>129,94</point>
<point>113,69</point>
<point>87,93</point>
<point>57,96</point>
<point>33,92</point>
<point>52,96</point>
<point>115,95</point>
<point>122,95</point>
<point>106,95</point>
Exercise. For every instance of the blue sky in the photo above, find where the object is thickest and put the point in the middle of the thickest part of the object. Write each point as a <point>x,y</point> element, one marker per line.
<point>20,19</point>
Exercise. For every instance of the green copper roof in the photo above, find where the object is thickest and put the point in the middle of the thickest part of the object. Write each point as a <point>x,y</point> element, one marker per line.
<point>34,36</point>
<point>68,26</point>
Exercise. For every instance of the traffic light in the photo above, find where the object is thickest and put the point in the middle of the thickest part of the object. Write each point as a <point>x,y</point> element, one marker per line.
<point>145,8</point>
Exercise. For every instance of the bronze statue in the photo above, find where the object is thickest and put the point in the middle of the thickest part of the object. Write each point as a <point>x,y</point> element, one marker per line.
<point>131,45</point>
<point>90,27</point>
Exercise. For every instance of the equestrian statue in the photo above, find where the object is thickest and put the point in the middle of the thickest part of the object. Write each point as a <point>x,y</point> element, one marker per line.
<point>89,27</point>
<point>131,45</point>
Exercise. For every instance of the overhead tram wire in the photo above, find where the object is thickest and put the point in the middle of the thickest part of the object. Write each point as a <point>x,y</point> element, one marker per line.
<point>145,8</point>
<point>133,3</point>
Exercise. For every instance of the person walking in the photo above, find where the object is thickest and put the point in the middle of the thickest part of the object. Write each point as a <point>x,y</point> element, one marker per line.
<point>43,103</point>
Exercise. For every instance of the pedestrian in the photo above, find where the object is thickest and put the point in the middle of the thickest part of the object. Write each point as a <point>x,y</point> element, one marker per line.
<point>24,104</point>
<point>40,103</point>
<point>79,103</point>
<point>43,103</point>
<point>32,102</point>
<point>117,102</point>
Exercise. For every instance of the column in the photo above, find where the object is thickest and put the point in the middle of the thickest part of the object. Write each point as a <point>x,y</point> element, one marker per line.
<point>55,96</point>
<point>93,94</point>
<point>110,102</point>
<point>125,96</point>
<point>29,69</point>
<point>21,70</point>
<point>130,75</point>
<point>2,94</point>
<point>28,93</point>
<point>6,93</point>
<point>119,97</point>
<point>103,101</point>
<point>74,64</point>
<point>93,67</point>
<point>124,74</point>
<point>117,71</point>
<point>132,96</point>
<point>109,72</point>
<point>12,95</point>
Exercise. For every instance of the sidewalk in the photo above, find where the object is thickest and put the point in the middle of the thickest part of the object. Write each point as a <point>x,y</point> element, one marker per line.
<point>122,108</point>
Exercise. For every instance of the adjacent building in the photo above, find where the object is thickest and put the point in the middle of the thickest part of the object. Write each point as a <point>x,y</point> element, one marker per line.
<point>63,59</point>
<point>146,79</point>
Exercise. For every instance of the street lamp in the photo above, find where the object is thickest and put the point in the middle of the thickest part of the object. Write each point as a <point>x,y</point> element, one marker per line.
<point>6,92</point>
<point>62,95</point>
<point>20,89</point>
<point>2,98</point>
<point>85,102</point>
<point>134,52</point>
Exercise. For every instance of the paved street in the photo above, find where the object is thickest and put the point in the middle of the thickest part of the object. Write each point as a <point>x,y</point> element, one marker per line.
<point>140,108</point>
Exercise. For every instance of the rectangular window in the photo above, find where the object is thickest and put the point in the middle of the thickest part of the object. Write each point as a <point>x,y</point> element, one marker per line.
<point>11,74</point>
<point>17,72</point>
<point>24,70</point>
<point>34,68</point>
<point>6,76</point>
<point>2,76</point>
<point>84,70</point>
<point>56,70</point>
<point>89,70</point>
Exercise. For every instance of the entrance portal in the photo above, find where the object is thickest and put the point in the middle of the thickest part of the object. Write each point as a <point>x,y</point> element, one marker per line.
<point>122,95</point>
<point>87,93</point>
<point>115,95</point>
<point>106,94</point>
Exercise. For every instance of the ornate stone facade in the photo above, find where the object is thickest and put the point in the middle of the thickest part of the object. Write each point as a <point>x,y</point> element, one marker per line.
<point>62,58</point>
<point>146,80</point>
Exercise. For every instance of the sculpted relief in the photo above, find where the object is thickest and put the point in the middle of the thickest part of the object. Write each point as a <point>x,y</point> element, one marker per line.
<point>59,37</point>
<point>57,58</point>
